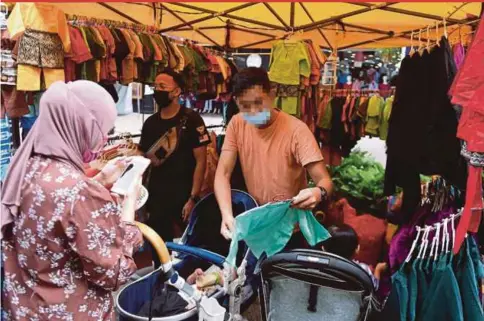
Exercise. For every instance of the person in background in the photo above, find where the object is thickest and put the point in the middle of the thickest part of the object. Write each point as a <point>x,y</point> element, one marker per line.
<point>276,152</point>
<point>67,243</point>
<point>175,139</point>
<point>344,242</point>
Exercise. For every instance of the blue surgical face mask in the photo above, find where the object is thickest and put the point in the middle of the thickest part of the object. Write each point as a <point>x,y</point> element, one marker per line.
<point>257,119</point>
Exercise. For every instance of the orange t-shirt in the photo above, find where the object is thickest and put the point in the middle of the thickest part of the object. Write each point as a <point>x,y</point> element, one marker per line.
<point>273,158</point>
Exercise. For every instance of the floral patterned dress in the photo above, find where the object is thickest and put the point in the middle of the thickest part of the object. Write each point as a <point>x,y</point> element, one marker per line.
<point>68,248</point>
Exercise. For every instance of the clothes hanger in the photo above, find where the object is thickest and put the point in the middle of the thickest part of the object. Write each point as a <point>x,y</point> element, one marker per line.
<point>423,246</point>
<point>414,245</point>
<point>445,29</point>
<point>412,50</point>
<point>428,38</point>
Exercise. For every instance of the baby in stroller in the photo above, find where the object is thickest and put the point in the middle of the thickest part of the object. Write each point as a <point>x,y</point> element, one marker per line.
<point>344,242</point>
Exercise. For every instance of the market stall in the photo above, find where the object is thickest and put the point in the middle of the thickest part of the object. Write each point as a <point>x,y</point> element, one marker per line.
<point>125,43</point>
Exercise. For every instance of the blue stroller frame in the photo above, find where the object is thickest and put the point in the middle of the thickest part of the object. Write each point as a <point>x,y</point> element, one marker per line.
<point>197,250</point>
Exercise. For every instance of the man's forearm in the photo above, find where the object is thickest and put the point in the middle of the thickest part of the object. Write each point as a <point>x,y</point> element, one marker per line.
<point>223,193</point>
<point>198,177</point>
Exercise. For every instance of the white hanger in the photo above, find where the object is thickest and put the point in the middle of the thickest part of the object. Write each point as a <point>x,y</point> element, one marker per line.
<point>414,245</point>
<point>445,240</point>
<point>423,246</point>
<point>437,237</point>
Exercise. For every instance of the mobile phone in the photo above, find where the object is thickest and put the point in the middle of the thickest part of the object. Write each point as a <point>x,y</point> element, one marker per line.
<point>133,171</point>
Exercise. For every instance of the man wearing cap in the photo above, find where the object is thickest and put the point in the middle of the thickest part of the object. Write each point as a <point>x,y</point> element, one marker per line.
<point>175,140</point>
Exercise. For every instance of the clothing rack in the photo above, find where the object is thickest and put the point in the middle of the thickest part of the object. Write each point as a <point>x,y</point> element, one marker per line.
<point>345,92</point>
<point>84,20</point>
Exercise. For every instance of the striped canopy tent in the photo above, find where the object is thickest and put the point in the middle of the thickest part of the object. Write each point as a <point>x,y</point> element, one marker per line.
<point>331,25</point>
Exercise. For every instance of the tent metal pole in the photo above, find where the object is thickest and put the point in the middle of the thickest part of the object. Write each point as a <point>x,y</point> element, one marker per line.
<point>293,14</point>
<point>255,32</point>
<point>319,29</point>
<point>193,28</point>
<point>227,14</point>
<point>331,20</point>
<point>404,34</point>
<point>256,43</point>
<point>212,15</point>
<point>276,15</point>
<point>122,14</point>
<point>408,12</point>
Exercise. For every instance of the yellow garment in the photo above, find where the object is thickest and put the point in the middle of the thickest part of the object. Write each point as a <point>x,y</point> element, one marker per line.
<point>375,107</point>
<point>289,61</point>
<point>28,77</point>
<point>223,66</point>
<point>182,63</point>
<point>40,17</point>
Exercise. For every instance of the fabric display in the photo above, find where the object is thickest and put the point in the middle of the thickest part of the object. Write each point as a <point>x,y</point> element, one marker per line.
<point>343,118</point>
<point>27,121</point>
<point>5,146</point>
<point>467,92</point>
<point>431,274</point>
<point>42,36</point>
<point>295,71</point>
<point>423,126</point>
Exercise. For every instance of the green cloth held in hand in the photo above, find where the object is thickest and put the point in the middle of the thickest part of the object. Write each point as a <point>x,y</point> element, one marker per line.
<point>267,229</point>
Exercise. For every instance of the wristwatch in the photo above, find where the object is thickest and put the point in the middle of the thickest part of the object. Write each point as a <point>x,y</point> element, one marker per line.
<point>324,194</point>
<point>195,198</point>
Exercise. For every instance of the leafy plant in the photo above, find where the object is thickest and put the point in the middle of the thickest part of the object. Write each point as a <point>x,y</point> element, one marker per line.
<point>360,179</point>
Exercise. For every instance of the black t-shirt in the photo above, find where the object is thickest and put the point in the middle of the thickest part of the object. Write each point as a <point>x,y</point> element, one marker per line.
<point>175,174</point>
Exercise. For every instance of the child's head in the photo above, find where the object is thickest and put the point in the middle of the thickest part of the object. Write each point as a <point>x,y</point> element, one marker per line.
<point>343,241</point>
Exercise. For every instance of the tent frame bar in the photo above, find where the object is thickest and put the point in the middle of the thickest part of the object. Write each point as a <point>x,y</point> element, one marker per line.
<point>319,29</point>
<point>293,15</point>
<point>225,14</point>
<point>122,14</point>
<point>334,19</point>
<point>408,12</point>
<point>201,33</point>
<point>212,15</point>
<point>276,15</point>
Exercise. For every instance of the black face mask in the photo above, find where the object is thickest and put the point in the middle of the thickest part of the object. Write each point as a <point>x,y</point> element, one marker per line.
<point>162,98</point>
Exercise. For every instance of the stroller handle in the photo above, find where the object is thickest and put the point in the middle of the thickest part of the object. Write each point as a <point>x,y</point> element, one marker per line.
<point>156,241</point>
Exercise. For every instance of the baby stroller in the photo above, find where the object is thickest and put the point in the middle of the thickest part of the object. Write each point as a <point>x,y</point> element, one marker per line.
<point>201,247</point>
<point>314,285</point>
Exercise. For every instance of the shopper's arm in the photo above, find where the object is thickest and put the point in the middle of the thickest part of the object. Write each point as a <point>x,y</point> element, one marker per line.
<point>200,155</point>
<point>222,189</point>
<point>320,176</point>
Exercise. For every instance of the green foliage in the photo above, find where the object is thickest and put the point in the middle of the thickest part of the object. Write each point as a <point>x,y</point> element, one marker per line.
<point>359,177</point>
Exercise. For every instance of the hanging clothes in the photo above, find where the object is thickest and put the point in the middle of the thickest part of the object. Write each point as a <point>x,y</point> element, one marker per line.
<point>42,26</point>
<point>430,147</point>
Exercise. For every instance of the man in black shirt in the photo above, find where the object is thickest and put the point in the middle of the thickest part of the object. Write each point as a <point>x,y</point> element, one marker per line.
<point>175,140</point>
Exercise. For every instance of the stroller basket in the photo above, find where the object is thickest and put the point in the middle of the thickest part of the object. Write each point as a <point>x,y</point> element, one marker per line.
<point>132,297</point>
<point>313,285</point>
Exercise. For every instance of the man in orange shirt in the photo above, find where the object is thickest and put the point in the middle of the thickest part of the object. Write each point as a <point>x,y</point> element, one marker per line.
<point>276,151</point>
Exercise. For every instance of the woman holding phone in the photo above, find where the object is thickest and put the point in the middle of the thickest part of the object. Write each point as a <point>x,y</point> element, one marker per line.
<point>67,243</point>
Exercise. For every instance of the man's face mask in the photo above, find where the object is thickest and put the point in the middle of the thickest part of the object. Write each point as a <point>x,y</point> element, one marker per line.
<point>260,118</point>
<point>162,98</point>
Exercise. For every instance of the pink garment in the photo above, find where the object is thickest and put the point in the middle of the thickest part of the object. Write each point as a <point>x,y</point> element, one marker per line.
<point>459,54</point>
<point>74,118</point>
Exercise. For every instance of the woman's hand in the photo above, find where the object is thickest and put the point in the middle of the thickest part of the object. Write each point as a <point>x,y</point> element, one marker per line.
<point>129,205</point>
<point>112,171</point>
<point>187,210</point>
<point>307,199</point>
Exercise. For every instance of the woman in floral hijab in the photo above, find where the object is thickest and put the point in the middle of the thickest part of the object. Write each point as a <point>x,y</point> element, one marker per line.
<point>66,243</point>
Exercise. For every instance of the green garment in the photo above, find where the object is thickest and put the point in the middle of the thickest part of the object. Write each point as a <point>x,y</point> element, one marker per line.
<point>467,278</point>
<point>328,115</point>
<point>289,105</point>
<point>267,229</point>
<point>289,61</point>
<point>385,118</point>
<point>399,295</point>
<point>412,291</point>
<point>375,107</point>
<point>424,277</point>
<point>443,301</point>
